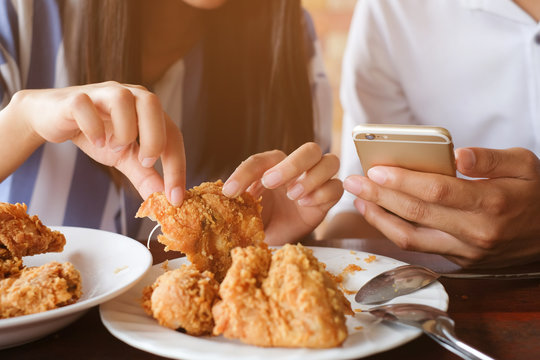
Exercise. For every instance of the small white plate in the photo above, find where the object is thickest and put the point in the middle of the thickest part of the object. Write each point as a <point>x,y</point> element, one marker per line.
<point>125,319</point>
<point>109,264</point>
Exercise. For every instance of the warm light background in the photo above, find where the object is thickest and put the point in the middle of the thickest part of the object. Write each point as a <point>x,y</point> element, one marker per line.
<point>332,19</point>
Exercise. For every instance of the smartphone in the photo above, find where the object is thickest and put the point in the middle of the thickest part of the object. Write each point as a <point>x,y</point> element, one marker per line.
<point>414,147</point>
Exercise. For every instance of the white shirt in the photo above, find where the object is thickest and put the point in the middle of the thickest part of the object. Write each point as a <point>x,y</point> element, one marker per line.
<point>471,66</point>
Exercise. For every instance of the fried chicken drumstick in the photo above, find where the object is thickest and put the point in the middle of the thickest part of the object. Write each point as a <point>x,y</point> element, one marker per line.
<point>207,226</point>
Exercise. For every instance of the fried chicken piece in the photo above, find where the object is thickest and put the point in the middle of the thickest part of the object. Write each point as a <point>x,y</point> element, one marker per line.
<point>24,235</point>
<point>207,226</point>
<point>38,289</point>
<point>9,265</point>
<point>287,299</point>
<point>183,298</point>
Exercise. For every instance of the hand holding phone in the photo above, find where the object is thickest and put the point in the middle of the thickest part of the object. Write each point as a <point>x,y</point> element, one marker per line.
<point>414,147</point>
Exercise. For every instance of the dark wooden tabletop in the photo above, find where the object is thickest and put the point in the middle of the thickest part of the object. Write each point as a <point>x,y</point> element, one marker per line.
<point>499,317</point>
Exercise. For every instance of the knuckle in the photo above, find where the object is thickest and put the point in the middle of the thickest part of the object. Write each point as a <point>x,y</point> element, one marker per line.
<point>313,147</point>
<point>437,192</point>
<point>111,83</point>
<point>404,241</point>
<point>122,95</point>
<point>20,95</point>
<point>486,237</point>
<point>139,87</point>
<point>276,153</point>
<point>151,100</point>
<point>415,210</point>
<point>79,99</point>
<point>529,159</point>
<point>333,162</point>
<point>495,204</point>
<point>472,258</point>
<point>492,160</point>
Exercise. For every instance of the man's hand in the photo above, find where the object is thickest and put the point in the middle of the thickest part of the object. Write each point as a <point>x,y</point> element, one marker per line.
<point>491,221</point>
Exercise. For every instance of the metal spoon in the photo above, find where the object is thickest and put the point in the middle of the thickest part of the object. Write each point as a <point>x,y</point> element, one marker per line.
<point>433,322</point>
<point>409,278</point>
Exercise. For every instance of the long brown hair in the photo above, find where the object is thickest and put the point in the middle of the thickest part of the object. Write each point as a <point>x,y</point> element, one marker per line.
<point>255,93</point>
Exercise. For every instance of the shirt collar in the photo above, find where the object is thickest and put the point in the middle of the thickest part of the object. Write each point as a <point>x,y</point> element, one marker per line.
<point>504,8</point>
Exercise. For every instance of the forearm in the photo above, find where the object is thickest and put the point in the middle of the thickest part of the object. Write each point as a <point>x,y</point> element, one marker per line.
<point>17,139</point>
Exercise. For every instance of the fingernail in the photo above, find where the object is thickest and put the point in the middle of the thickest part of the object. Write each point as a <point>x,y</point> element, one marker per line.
<point>360,206</point>
<point>467,159</point>
<point>353,185</point>
<point>272,179</point>
<point>230,188</point>
<point>377,175</point>
<point>305,201</point>
<point>177,196</point>
<point>148,162</point>
<point>295,192</point>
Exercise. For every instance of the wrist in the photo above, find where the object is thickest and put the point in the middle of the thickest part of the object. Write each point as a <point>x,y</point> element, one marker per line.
<point>18,139</point>
<point>18,121</point>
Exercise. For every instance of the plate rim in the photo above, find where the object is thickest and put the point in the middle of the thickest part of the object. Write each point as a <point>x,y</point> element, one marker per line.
<point>84,304</point>
<point>330,353</point>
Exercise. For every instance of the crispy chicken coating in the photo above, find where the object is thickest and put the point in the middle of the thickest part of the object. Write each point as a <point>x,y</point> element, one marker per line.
<point>287,299</point>
<point>207,226</point>
<point>9,265</point>
<point>183,298</point>
<point>38,289</point>
<point>24,235</point>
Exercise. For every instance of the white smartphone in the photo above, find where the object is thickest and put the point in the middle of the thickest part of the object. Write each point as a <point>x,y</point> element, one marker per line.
<point>414,147</point>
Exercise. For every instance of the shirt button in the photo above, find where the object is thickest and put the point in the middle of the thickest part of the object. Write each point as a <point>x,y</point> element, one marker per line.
<point>537,38</point>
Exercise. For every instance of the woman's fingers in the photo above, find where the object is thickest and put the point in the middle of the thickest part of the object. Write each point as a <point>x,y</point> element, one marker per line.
<point>174,163</point>
<point>152,128</point>
<point>145,180</point>
<point>250,171</point>
<point>87,119</point>
<point>325,196</point>
<point>299,161</point>
<point>313,178</point>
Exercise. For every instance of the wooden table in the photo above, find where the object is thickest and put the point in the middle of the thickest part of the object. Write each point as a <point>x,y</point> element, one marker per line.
<point>499,317</point>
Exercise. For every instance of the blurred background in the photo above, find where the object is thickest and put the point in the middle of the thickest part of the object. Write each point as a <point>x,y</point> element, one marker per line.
<point>332,19</point>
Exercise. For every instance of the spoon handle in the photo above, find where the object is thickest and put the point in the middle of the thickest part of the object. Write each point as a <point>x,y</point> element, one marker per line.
<point>531,275</point>
<point>443,333</point>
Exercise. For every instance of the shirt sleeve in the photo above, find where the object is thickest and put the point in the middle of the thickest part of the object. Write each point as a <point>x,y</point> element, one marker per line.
<point>370,89</point>
<point>10,80</point>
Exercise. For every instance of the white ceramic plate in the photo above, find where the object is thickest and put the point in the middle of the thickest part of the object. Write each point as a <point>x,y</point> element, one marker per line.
<point>125,319</point>
<point>109,264</point>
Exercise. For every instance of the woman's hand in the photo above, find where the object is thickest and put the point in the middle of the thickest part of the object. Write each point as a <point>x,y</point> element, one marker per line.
<point>297,190</point>
<point>491,221</point>
<point>118,125</point>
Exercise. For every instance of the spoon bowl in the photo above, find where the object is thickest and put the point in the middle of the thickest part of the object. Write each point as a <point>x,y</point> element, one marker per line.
<point>406,279</point>
<point>399,281</point>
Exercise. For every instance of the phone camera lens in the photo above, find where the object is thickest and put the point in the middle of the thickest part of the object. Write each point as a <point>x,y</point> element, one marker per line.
<point>370,136</point>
